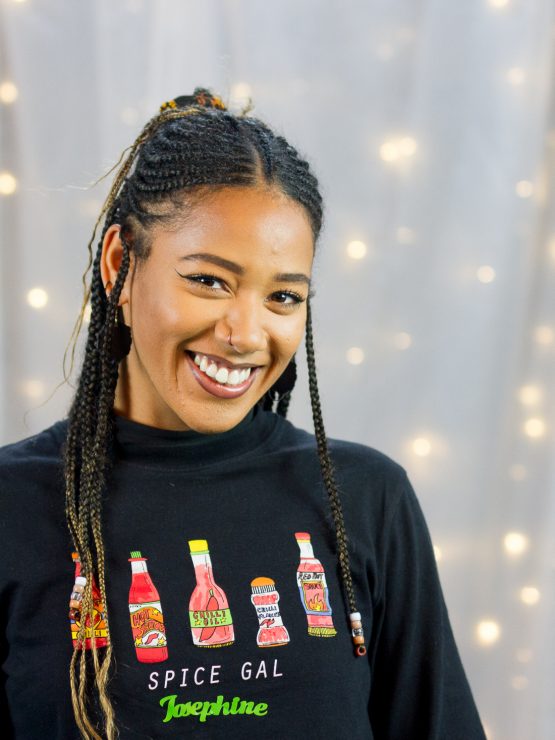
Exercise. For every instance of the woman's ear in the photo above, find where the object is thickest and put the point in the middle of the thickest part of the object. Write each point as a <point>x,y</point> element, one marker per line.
<point>110,261</point>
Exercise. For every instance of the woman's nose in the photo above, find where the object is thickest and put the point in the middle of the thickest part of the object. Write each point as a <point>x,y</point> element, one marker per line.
<point>241,327</point>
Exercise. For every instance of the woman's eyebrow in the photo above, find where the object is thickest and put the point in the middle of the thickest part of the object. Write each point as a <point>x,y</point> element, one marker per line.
<point>282,277</point>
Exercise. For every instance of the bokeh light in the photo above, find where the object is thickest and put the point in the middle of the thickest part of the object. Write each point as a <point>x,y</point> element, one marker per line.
<point>515,543</point>
<point>488,632</point>
<point>37,297</point>
<point>355,355</point>
<point>356,249</point>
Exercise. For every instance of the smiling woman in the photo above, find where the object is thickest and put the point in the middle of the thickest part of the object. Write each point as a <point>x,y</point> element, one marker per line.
<point>255,535</point>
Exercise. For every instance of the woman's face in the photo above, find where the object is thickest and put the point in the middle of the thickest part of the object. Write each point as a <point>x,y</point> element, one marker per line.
<point>238,265</point>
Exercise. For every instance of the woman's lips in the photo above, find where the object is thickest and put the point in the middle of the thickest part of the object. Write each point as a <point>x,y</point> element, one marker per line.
<point>217,389</point>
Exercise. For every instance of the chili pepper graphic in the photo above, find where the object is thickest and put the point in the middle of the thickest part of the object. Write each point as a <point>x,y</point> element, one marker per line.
<point>211,604</point>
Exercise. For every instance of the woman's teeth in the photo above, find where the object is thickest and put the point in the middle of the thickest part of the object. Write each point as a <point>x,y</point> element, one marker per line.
<point>221,374</point>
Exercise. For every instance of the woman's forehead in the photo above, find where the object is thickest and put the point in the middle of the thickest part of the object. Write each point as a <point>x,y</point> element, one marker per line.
<point>240,221</point>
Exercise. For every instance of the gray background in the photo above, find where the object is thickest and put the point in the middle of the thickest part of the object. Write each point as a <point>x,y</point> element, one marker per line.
<point>431,127</point>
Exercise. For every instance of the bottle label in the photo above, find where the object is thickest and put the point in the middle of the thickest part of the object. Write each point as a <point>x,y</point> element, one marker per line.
<point>314,592</point>
<point>147,625</point>
<point>210,617</point>
<point>99,626</point>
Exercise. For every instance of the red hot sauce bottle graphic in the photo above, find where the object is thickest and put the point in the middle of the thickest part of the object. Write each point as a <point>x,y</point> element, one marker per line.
<point>145,611</point>
<point>209,613</point>
<point>313,589</point>
<point>99,616</point>
<point>271,630</point>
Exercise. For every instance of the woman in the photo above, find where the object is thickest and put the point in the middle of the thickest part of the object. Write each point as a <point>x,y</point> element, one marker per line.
<point>198,516</point>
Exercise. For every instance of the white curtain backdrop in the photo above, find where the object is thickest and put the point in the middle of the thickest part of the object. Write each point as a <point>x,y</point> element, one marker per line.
<point>431,125</point>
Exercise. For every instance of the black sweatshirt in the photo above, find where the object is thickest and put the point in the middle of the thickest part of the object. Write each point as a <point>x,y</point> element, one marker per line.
<point>239,630</point>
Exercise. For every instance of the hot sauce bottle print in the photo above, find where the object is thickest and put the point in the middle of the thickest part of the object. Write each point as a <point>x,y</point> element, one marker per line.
<point>209,613</point>
<point>99,616</point>
<point>145,611</point>
<point>313,589</point>
<point>271,630</point>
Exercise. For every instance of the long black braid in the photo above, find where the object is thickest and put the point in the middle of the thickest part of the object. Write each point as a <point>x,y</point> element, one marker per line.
<point>193,147</point>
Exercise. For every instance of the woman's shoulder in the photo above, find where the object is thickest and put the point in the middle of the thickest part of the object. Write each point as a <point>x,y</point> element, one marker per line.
<point>347,455</point>
<point>34,449</point>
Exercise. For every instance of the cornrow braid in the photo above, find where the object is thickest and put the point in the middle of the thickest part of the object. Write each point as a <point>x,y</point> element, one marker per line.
<point>191,148</point>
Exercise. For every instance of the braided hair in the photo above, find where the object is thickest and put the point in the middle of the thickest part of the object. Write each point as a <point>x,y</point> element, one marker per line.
<point>191,148</point>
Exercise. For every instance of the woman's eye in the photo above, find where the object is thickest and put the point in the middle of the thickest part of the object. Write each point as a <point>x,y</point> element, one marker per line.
<point>291,298</point>
<point>205,280</point>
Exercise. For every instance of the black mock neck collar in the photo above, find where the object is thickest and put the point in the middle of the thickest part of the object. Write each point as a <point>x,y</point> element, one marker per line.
<point>150,446</point>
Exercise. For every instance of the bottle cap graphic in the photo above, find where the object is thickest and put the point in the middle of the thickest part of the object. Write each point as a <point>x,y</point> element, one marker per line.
<point>136,555</point>
<point>198,545</point>
<point>262,585</point>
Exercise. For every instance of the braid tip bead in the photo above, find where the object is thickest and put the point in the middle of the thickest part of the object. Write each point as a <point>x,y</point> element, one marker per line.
<point>357,633</point>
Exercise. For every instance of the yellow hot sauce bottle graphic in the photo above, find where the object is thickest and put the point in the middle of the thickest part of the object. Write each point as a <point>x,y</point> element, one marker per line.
<point>209,613</point>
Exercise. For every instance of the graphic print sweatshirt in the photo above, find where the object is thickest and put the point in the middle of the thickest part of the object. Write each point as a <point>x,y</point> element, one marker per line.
<point>226,609</point>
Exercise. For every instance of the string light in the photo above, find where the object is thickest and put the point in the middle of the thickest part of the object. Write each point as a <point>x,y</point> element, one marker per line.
<point>32,388</point>
<point>356,250</point>
<point>519,683</point>
<point>407,146</point>
<point>8,183</point>
<point>485,274</point>
<point>529,595</point>
<point>389,151</point>
<point>241,91</point>
<point>524,655</point>
<point>393,149</point>
<point>516,75</point>
<point>8,92</point>
<point>534,428</point>
<point>529,395</point>
<point>524,188</point>
<point>517,471</point>
<point>488,632</point>
<point>402,340</point>
<point>544,334</point>
<point>515,543</point>
<point>355,355</point>
<point>421,447</point>
<point>37,297</point>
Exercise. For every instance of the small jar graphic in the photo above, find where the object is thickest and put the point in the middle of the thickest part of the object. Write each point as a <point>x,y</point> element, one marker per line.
<point>313,590</point>
<point>265,598</point>
<point>209,613</point>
